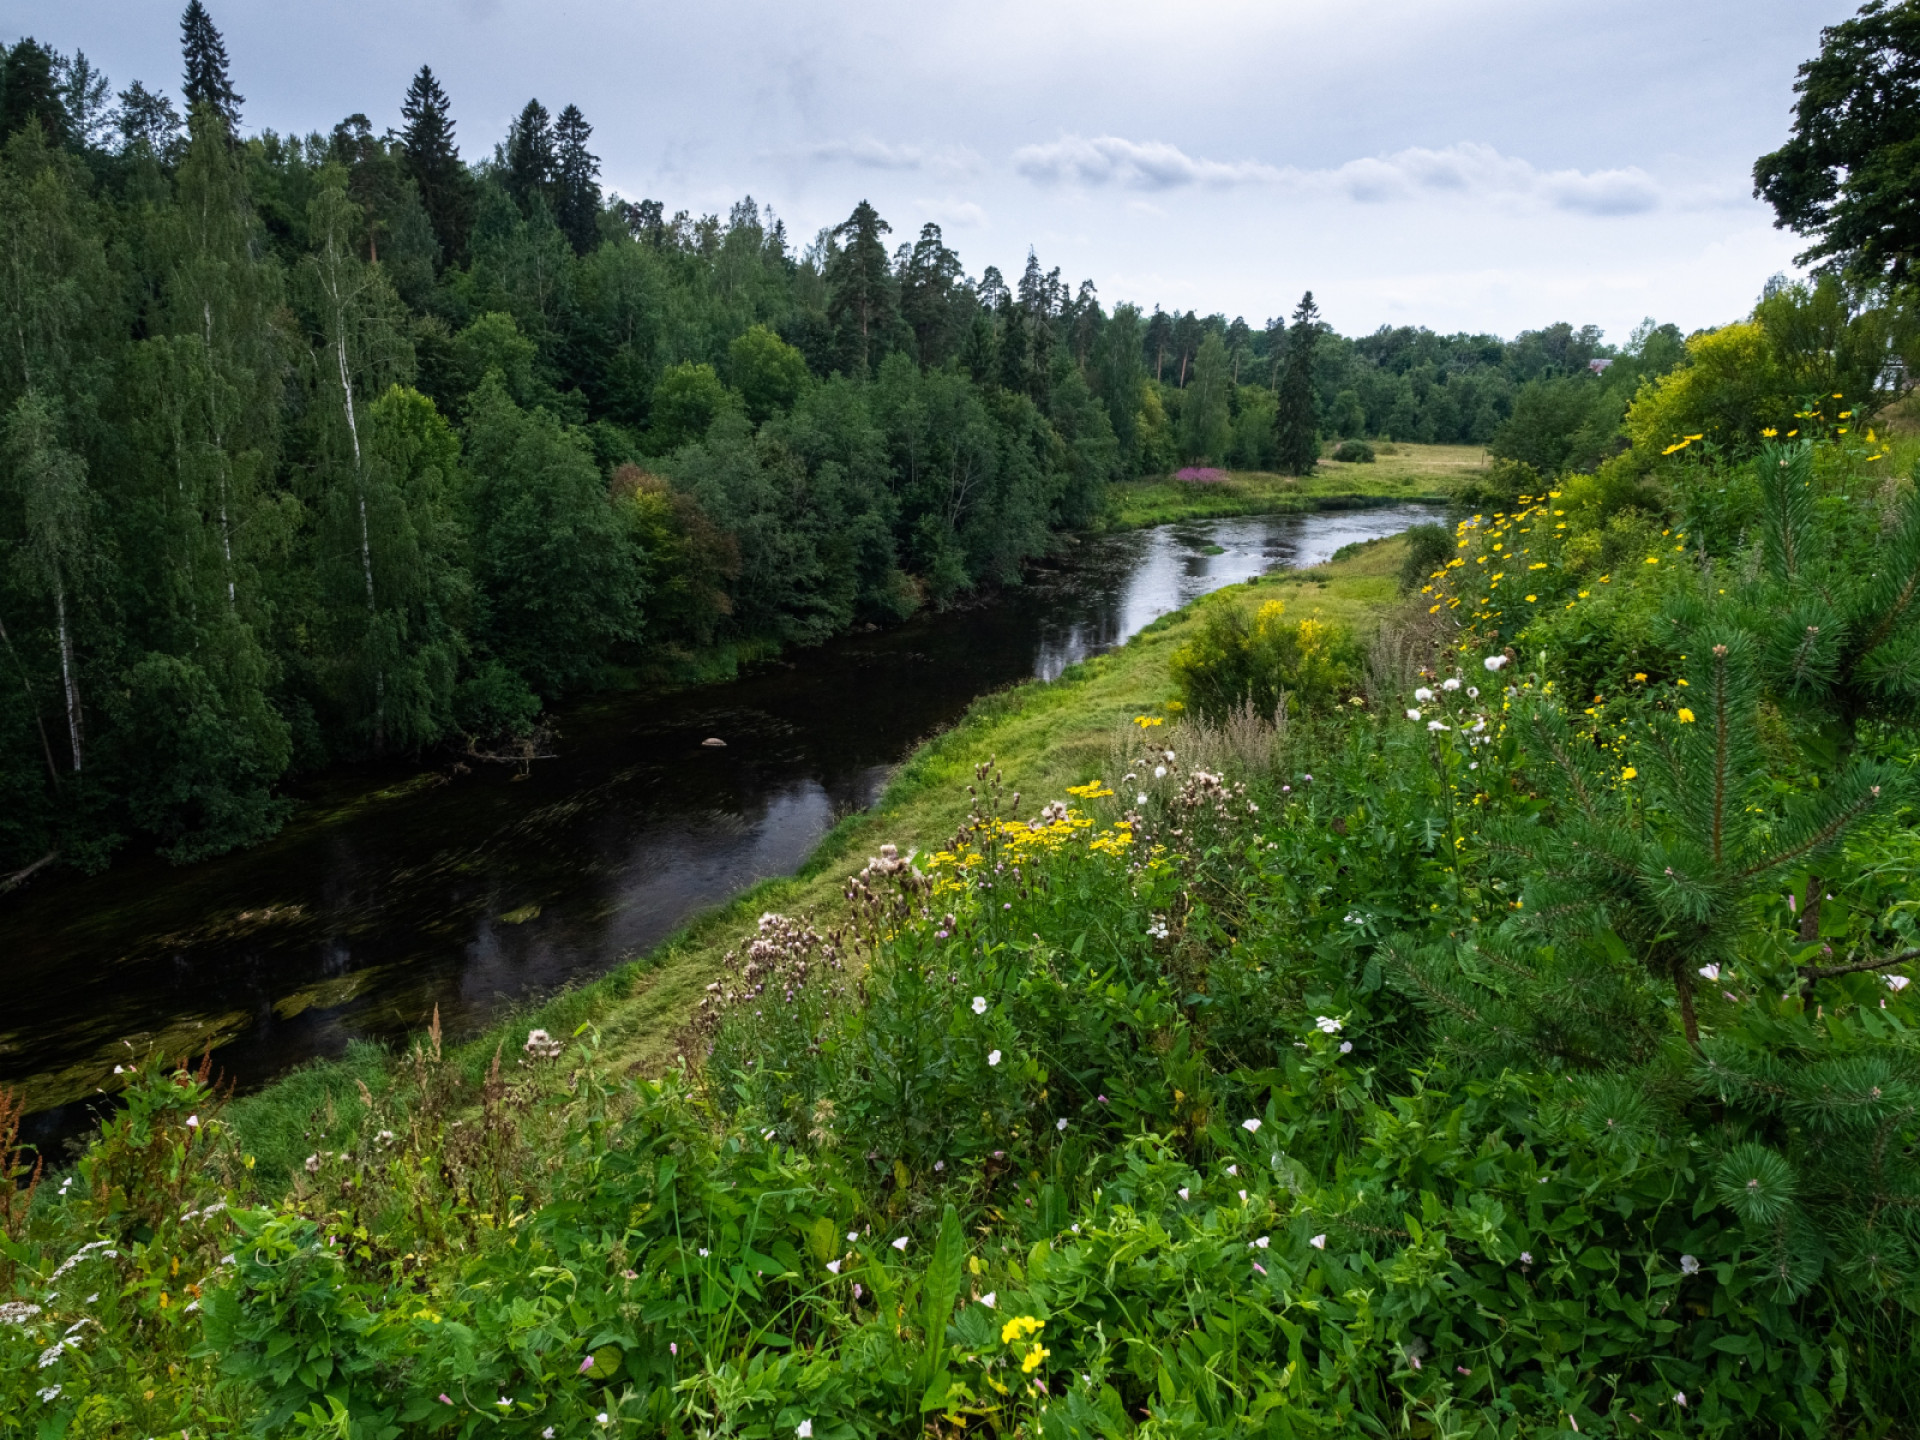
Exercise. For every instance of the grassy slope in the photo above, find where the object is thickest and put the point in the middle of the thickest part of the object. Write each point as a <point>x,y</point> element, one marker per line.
<point>1044,737</point>
<point>1411,472</point>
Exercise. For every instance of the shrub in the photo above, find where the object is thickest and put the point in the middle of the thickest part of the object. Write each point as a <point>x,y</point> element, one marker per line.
<point>1354,452</point>
<point>1429,546</point>
<point>1240,659</point>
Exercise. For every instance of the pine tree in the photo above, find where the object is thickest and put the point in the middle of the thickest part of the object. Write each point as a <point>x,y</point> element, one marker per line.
<point>30,91</point>
<point>927,295</point>
<point>207,82</point>
<point>433,160</point>
<point>576,181</point>
<point>861,303</point>
<point>529,157</point>
<point>1296,423</point>
<point>1159,336</point>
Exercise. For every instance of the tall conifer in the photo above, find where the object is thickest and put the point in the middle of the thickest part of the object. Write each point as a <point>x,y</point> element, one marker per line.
<point>433,160</point>
<point>576,181</point>
<point>205,54</point>
<point>1296,423</point>
<point>529,155</point>
<point>861,303</point>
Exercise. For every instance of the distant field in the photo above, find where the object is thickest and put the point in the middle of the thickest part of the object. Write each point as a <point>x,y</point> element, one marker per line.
<point>1410,472</point>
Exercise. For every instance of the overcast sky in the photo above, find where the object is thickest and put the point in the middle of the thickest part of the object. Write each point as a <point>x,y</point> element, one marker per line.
<point>1462,164</point>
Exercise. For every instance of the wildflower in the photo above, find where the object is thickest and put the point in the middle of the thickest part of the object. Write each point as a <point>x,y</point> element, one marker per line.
<point>1233,1169</point>
<point>1685,716</point>
<point>1423,694</point>
<point>1689,1265</point>
<point>1034,1357</point>
<point>193,1122</point>
<point>445,1399</point>
<point>541,1046</point>
<point>1252,1127</point>
<point>1258,1266</point>
<point>629,1274</point>
<point>1495,663</point>
<point>1435,726</point>
<point>1141,798</point>
<point>1413,714</point>
<point>833,1267</point>
<point>1101,1098</point>
<point>1680,1398</point>
<point>313,1164</point>
<point>1897,983</point>
<point>804,1430</point>
<point>1473,692</point>
<point>979,1004</point>
<point>1346,1047</point>
<point>1060,1124</point>
<point>858,1291</point>
<point>1327,1025</point>
<point>586,1364</point>
<point>1629,773</point>
<point>1159,772</point>
<point>938,1166</point>
<point>505,1404</point>
<point>1019,1328</point>
<point>547,1434</point>
<point>17,1312</point>
<point>673,1347</point>
<point>1262,1242</point>
<point>1526,1257</point>
<point>1452,682</point>
<point>993,1057</point>
<point>988,1299</point>
<point>601,1418</point>
<point>852,1235</point>
<point>900,1244</point>
<point>1243,1197</point>
<point>119,1069</point>
<point>48,1395</point>
<point>1184,1193</point>
<point>1318,1242</point>
<point>704,1252</point>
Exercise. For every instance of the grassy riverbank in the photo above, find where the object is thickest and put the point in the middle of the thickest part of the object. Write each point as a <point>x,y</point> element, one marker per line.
<point>1401,473</point>
<point>1043,736</point>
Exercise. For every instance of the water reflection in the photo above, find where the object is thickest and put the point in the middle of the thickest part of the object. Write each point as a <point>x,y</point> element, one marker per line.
<point>397,892</point>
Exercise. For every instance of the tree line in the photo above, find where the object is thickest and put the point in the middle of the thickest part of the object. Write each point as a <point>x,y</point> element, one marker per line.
<point>321,447</point>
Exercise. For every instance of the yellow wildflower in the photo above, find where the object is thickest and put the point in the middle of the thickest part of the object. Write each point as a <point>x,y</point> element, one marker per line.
<point>1628,773</point>
<point>1686,716</point>
<point>1639,674</point>
<point>1019,1327</point>
<point>1034,1357</point>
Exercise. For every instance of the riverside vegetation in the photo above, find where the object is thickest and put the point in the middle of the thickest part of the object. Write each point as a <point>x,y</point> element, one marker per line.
<point>1508,1032</point>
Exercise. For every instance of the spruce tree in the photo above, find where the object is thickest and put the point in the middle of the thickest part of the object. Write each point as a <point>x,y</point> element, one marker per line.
<point>861,304</point>
<point>30,91</point>
<point>576,203</point>
<point>1296,422</point>
<point>207,81</point>
<point>529,157</point>
<point>433,160</point>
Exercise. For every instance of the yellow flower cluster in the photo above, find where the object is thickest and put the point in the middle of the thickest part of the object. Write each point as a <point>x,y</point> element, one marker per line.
<point>1019,1328</point>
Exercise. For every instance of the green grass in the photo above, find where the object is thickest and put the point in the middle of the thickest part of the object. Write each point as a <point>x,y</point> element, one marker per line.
<point>1043,736</point>
<point>1402,473</point>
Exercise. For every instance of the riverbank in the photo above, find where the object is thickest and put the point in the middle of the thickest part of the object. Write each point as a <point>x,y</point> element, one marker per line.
<point>1043,736</point>
<point>1400,474</point>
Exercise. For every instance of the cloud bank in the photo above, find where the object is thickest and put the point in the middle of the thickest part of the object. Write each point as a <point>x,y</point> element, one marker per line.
<point>1467,171</point>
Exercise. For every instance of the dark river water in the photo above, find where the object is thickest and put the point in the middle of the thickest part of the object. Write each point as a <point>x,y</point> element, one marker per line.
<point>393,892</point>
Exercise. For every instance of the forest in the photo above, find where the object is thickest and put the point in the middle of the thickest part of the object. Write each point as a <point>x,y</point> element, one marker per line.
<point>342,446</point>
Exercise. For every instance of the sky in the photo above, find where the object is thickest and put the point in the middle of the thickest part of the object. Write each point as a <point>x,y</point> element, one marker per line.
<point>1477,165</point>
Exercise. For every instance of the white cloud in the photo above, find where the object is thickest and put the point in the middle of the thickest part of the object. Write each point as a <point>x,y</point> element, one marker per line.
<point>961,214</point>
<point>1134,164</point>
<point>872,154</point>
<point>1471,172</point>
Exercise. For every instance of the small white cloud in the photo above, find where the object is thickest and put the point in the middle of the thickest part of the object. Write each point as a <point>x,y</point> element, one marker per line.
<point>952,214</point>
<point>1132,164</point>
<point>872,154</point>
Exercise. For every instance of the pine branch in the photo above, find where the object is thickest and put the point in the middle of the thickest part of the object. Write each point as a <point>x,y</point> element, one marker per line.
<point>1826,972</point>
<point>1823,836</point>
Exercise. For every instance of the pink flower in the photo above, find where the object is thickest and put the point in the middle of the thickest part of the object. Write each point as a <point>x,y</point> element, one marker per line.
<point>446,1399</point>
<point>1258,1266</point>
<point>586,1364</point>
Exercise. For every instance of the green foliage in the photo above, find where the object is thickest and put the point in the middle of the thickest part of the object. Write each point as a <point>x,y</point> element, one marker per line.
<point>1354,452</point>
<point>768,373</point>
<point>1264,661</point>
<point>1296,435</point>
<point>685,404</point>
<point>1429,546</point>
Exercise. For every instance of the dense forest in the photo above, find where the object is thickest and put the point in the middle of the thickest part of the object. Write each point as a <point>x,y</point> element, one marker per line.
<point>324,447</point>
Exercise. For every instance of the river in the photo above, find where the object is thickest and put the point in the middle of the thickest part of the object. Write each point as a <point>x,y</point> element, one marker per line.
<point>392,892</point>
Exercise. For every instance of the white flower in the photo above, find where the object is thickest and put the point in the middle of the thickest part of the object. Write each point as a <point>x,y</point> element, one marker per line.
<point>52,1353</point>
<point>988,1299</point>
<point>1346,1047</point>
<point>1413,714</point>
<point>119,1069</point>
<point>852,1235</point>
<point>900,1244</point>
<point>833,1267</point>
<point>1452,682</point>
<point>1680,1398</point>
<point>979,1004</point>
<point>17,1312</point>
<point>1169,755</point>
<point>1423,694</point>
<point>1233,1169</point>
<point>1710,972</point>
<point>993,1057</point>
<point>1495,664</point>
<point>193,1122</point>
<point>1897,983</point>
<point>1262,1242</point>
<point>313,1164</point>
<point>1473,692</point>
<point>1141,798</point>
<point>1318,1242</point>
<point>601,1417</point>
<point>1252,1127</point>
<point>1184,1193</point>
<point>1326,1025</point>
<point>547,1434</point>
<point>804,1430</point>
<point>1060,1124</point>
<point>1436,726</point>
<point>1689,1265</point>
<point>1526,1257</point>
<point>1243,1197</point>
<point>504,1403</point>
<point>704,1252</point>
<point>48,1395</point>
<point>1159,772</point>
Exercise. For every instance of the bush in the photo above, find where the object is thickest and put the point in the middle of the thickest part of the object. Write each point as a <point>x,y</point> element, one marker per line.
<point>1238,659</point>
<point>1354,452</point>
<point>1429,546</point>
